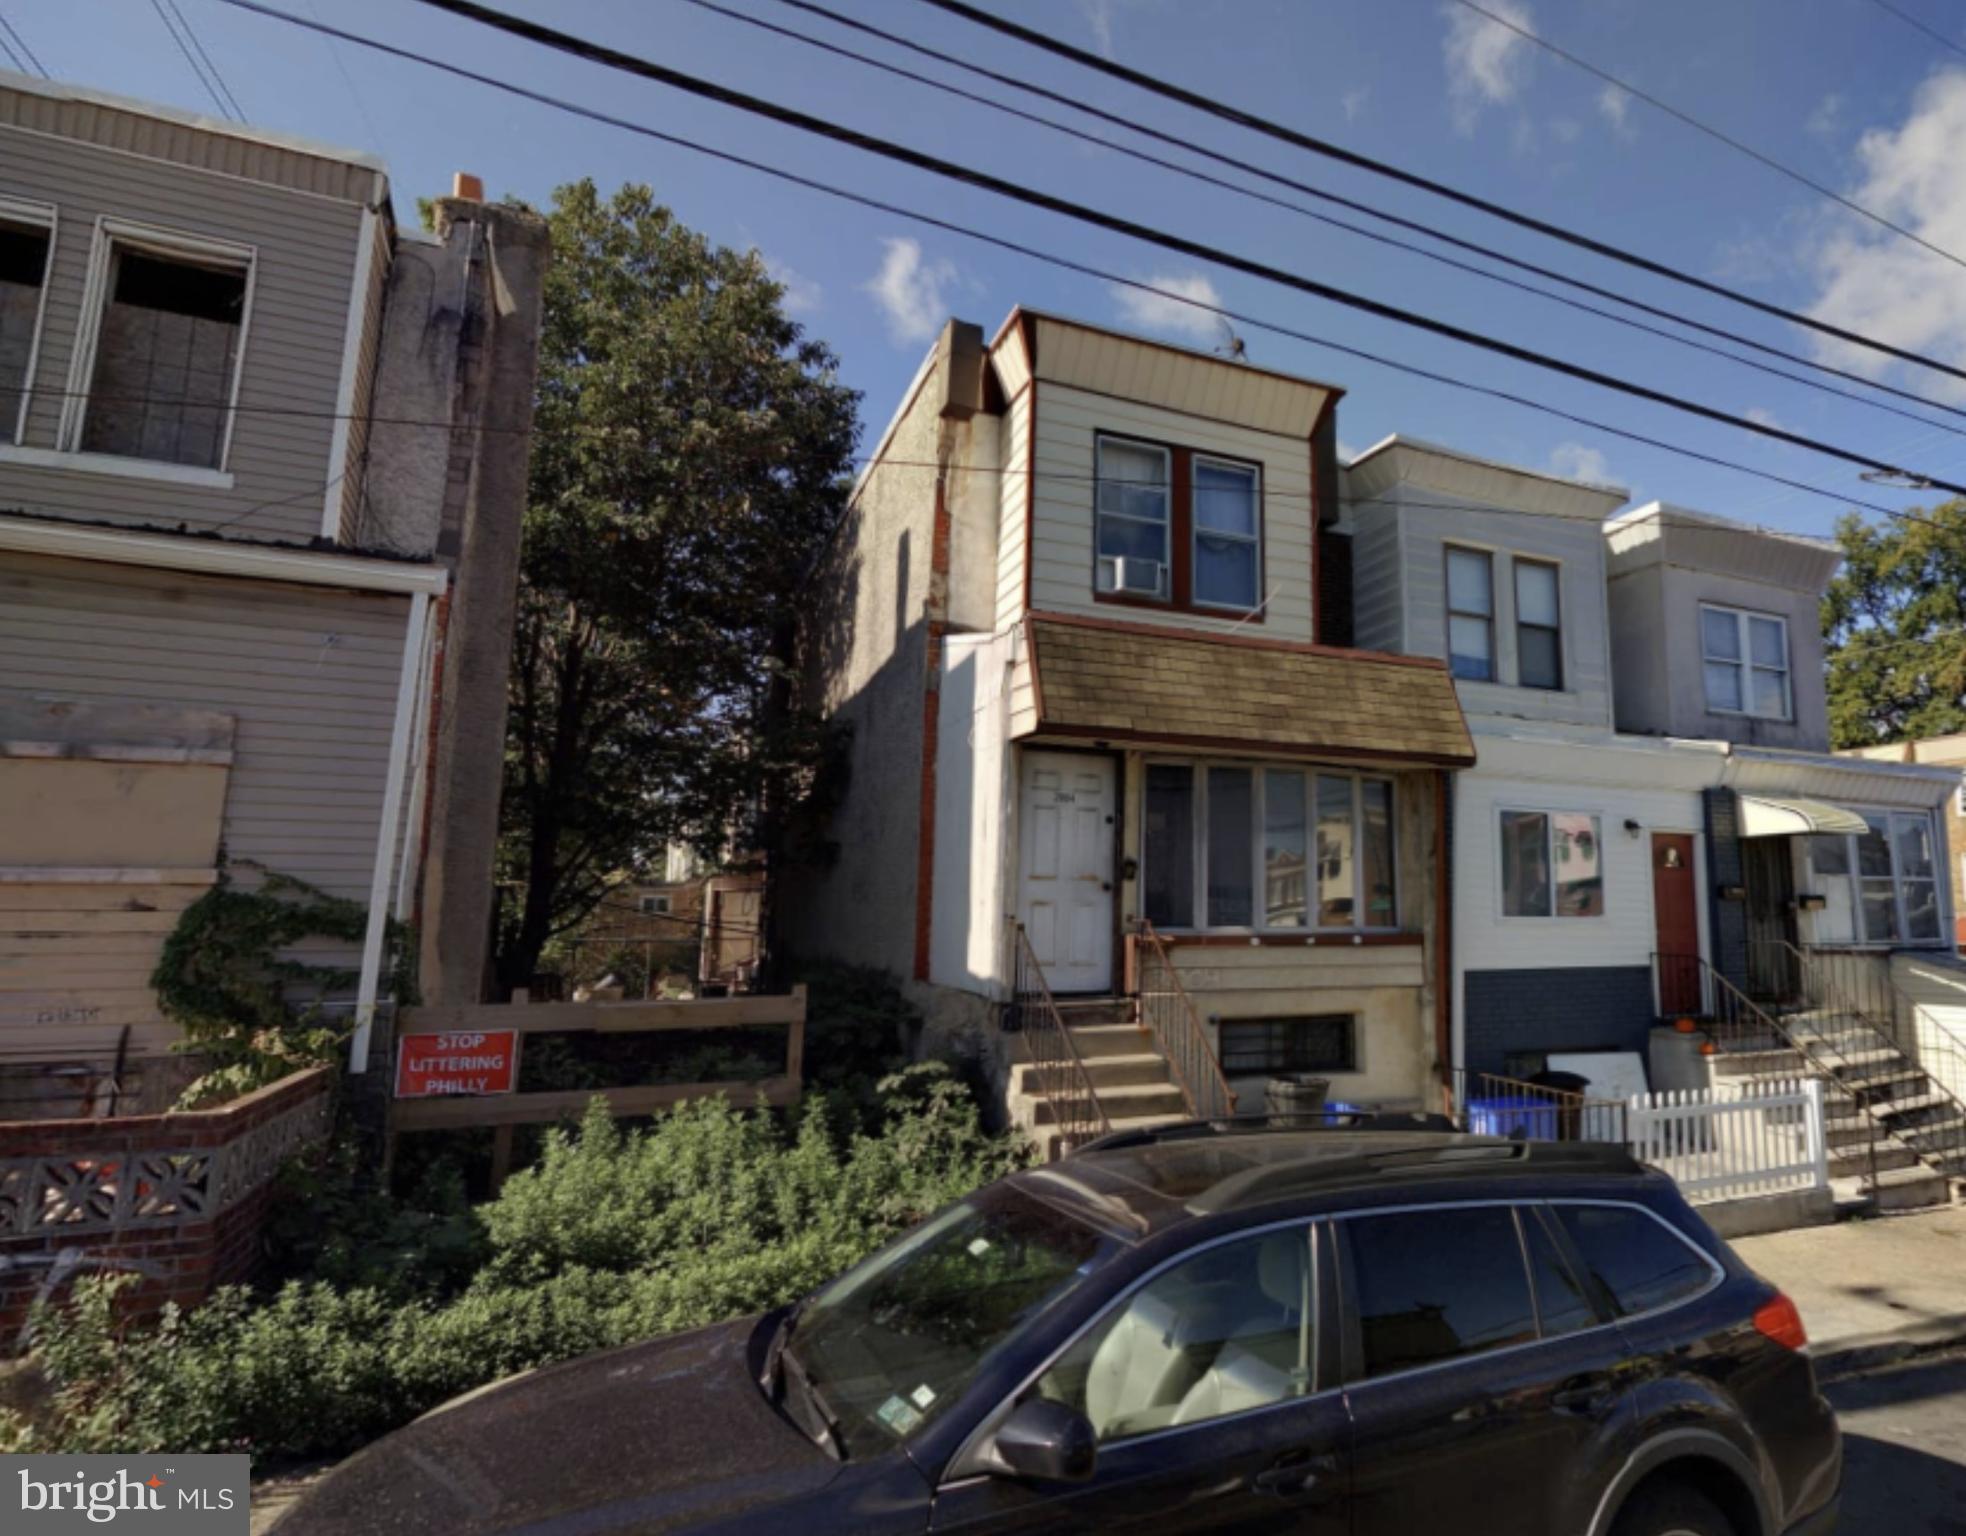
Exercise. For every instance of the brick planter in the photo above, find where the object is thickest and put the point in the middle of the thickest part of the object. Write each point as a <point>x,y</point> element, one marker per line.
<point>181,1194</point>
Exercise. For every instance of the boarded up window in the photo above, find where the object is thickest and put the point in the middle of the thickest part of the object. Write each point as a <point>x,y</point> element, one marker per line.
<point>161,387</point>
<point>23,273</point>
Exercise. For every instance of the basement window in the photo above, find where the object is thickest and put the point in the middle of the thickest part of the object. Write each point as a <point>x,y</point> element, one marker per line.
<point>26,242</point>
<point>1319,1042</point>
<point>161,360</point>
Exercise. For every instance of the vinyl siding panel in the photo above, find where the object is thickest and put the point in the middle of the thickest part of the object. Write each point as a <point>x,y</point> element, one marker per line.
<point>306,249</point>
<point>1015,486</point>
<point>310,675</point>
<point>1376,606</point>
<point>1067,420</point>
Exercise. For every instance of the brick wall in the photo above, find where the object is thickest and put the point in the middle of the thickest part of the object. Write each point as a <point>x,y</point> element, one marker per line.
<point>1599,1008</point>
<point>1724,867</point>
<point>182,1195</point>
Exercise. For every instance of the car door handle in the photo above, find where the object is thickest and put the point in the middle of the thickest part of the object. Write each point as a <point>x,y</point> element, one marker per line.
<point>1581,1397</point>
<point>1295,1477</point>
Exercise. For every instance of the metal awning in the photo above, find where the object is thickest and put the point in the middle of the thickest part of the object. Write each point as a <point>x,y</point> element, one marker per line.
<point>1767,816</point>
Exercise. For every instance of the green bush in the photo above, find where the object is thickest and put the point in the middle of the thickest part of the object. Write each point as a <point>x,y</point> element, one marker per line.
<point>617,1235</point>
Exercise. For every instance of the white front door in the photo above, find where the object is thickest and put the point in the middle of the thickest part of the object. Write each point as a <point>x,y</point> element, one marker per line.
<point>1065,867</point>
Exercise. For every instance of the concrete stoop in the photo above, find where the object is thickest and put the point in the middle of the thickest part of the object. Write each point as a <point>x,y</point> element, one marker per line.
<point>1136,1088</point>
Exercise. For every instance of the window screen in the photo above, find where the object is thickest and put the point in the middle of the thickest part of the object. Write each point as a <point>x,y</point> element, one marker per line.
<point>1638,1261</point>
<point>1434,1285</point>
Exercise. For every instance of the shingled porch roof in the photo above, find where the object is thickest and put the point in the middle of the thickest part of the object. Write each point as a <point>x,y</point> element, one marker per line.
<point>1107,680</point>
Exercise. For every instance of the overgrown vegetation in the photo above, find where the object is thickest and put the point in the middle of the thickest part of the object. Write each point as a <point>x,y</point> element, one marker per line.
<point>617,1235</point>
<point>227,976</point>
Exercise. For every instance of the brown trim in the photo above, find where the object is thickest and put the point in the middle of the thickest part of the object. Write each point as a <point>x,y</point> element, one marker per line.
<point>1243,745</point>
<point>1311,938</point>
<point>1031,315</point>
<point>1443,943</point>
<point>1253,642</point>
<point>940,535</point>
<point>1317,515</point>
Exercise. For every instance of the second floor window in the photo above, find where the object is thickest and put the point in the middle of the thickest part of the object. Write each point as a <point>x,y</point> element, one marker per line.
<point>159,356</point>
<point>1538,629</point>
<point>1177,528</point>
<point>1471,614</point>
<point>1135,519</point>
<point>1745,663</point>
<point>24,247</point>
<point>1227,536</point>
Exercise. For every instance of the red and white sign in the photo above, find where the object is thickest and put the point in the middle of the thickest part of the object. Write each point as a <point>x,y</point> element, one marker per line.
<point>465,1063</point>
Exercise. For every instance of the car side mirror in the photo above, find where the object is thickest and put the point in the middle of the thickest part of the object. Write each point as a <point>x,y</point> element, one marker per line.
<point>1047,1442</point>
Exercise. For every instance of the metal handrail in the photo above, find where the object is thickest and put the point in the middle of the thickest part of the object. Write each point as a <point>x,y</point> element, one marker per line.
<point>1055,1060</point>
<point>1736,1022</point>
<point>1495,1105</point>
<point>1170,1013</point>
<point>1850,986</point>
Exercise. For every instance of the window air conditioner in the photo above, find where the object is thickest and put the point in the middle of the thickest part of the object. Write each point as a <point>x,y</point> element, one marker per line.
<point>1141,578</point>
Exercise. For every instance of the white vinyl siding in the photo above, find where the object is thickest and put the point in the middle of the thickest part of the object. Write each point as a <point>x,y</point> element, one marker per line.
<point>1014,487</point>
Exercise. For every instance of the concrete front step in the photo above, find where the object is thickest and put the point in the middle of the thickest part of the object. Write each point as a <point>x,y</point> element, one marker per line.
<point>1076,1011</point>
<point>1138,1101</point>
<point>1105,1072</point>
<point>1855,1163</point>
<point>1110,1039</point>
<point>1901,1189</point>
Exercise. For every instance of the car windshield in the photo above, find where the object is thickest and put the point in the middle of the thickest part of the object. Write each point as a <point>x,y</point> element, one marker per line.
<point>894,1342</point>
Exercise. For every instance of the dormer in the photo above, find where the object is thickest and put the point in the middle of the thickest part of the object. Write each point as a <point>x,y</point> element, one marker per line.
<point>1715,628</point>
<point>1496,568</point>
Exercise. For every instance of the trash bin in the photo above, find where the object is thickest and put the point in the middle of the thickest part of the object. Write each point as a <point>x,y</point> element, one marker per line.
<point>1294,1095</point>
<point>1567,1112</point>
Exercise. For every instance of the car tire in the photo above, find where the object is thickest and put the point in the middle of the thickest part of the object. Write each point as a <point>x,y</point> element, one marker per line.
<point>1672,1509</point>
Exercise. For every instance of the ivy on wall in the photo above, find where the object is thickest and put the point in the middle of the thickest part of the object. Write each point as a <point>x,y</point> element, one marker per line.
<point>247,1005</point>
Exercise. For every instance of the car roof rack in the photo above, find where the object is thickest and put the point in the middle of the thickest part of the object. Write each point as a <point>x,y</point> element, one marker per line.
<point>1405,1121</point>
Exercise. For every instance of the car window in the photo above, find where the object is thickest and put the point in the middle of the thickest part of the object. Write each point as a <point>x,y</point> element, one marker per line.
<point>1640,1264</point>
<point>1562,1304</point>
<point>1220,1333</point>
<point>1434,1285</point>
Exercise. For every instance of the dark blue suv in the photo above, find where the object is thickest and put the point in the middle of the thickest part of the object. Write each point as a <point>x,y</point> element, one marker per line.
<point>1207,1328</point>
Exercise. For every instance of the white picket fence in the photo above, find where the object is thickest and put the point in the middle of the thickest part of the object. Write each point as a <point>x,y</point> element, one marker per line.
<point>1733,1142</point>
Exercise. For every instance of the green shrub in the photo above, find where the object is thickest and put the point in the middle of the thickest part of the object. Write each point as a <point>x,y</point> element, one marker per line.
<point>618,1234</point>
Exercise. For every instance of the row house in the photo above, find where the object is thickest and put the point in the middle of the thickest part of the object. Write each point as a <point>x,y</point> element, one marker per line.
<point>1168,728</point>
<point>262,463</point>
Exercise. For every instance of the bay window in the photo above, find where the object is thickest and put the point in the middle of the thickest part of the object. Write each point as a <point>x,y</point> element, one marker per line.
<point>1270,849</point>
<point>1552,864</point>
<point>1745,662</point>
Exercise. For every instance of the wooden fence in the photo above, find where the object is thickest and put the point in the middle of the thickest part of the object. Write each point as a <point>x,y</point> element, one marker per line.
<point>504,1111</point>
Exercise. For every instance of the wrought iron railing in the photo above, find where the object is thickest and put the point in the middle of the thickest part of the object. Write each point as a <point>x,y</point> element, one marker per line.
<point>1490,1104</point>
<point>1850,996</point>
<point>1736,1024</point>
<point>1167,1010</point>
<point>1057,1070</point>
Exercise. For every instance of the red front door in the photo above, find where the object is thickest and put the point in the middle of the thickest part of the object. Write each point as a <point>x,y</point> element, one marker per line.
<point>1678,920</point>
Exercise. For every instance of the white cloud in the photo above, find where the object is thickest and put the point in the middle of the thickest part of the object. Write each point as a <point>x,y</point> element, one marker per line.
<point>1099,17</point>
<point>1575,461</point>
<point>1761,416</point>
<point>802,294</point>
<point>1487,64</point>
<point>1169,316</point>
<point>1826,121</point>
<point>912,291</point>
<point>1353,101</point>
<point>1878,283</point>
<point>1565,130</point>
<point>1614,105</point>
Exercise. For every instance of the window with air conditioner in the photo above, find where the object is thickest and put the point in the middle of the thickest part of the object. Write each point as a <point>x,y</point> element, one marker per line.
<point>1178,528</point>
<point>1134,518</point>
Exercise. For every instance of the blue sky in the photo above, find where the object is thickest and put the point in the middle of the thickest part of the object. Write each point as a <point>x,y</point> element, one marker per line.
<point>1838,88</point>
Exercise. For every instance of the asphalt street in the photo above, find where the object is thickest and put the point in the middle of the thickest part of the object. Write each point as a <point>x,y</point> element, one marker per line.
<point>1904,1443</point>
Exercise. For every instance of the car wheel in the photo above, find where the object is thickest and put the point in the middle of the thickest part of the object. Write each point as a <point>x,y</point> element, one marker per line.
<point>1671,1509</point>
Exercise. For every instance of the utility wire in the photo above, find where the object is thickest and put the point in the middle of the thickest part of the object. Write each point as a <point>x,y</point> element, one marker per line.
<point>612,58</point>
<point>1912,21</point>
<point>18,62</point>
<point>1344,156</point>
<point>1086,269</point>
<point>1799,177</point>
<point>191,60</point>
<point>1326,219</point>
<point>19,50</point>
<point>210,63</point>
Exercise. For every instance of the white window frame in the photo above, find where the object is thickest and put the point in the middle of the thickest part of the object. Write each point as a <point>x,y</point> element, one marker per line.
<point>654,906</point>
<point>1891,817</point>
<point>1200,766</point>
<point>1099,514</point>
<point>40,216</point>
<point>172,244</point>
<point>1555,568</point>
<point>1195,530</point>
<point>1449,550</point>
<point>1549,814</point>
<point>1745,663</point>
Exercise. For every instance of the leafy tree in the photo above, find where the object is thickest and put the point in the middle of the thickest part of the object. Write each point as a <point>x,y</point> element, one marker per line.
<point>1894,621</point>
<point>689,462</point>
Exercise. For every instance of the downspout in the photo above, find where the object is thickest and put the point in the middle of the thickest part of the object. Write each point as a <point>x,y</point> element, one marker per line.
<point>407,691</point>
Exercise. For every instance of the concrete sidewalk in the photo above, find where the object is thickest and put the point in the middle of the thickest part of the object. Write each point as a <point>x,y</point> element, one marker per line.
<point>1871,1292</point>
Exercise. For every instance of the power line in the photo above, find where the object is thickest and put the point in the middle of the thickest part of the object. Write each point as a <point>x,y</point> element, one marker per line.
<point>19,51</point>
<point>1912,21</point>
<point>1799,177</point>
<point>1086,269</point>
<point>612,58</point>
<point>1326,219</point>
<point>1292,136</point>
<point>184,48</point>
<point>210,63</point>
